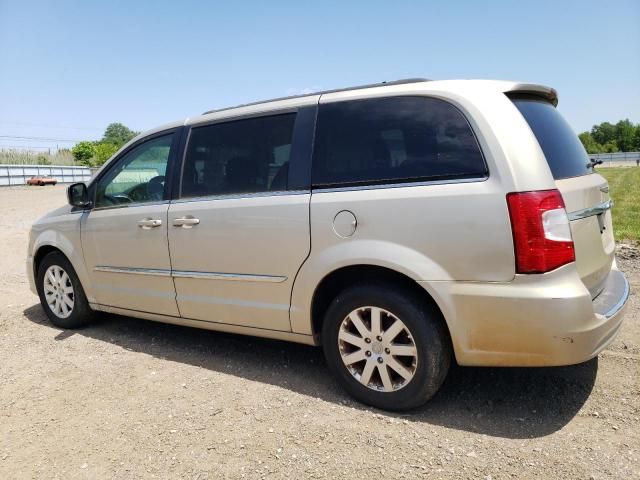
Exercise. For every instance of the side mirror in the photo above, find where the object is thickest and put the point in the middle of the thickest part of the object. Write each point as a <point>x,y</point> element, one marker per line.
<point>78,195</point>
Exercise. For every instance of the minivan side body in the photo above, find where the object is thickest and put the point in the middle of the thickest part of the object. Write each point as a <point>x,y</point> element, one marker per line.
<point>295,215</point>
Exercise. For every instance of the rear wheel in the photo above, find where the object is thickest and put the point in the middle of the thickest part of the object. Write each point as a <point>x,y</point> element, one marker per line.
<point>61,293</point>
<point>388,348</point>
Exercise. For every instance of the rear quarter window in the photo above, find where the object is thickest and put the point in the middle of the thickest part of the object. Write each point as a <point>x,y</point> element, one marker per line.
<point>393,140</point>
<point>561,146</point>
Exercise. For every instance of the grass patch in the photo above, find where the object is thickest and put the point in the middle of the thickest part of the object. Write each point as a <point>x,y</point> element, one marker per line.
<point>624,184</point>
<point>23,157</point>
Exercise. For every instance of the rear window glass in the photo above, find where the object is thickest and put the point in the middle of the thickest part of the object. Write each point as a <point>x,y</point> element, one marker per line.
<point>393,140</point>
<point>561,146</point>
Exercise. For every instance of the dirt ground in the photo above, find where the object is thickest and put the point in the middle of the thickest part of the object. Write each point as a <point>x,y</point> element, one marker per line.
<point>129,398</point>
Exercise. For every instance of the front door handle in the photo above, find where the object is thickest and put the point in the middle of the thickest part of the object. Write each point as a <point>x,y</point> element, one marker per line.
<point>186,222</point>
<point>149,223</point>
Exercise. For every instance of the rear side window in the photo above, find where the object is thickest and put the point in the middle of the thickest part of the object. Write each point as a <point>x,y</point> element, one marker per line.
<point>243,156</point>
<point>393,140</point>
<point>561,146</point>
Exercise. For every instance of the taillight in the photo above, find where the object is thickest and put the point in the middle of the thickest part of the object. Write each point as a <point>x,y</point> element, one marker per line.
<point>541,234</point>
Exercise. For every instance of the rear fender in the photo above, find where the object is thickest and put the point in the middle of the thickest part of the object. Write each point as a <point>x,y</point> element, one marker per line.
<point>357,252</point>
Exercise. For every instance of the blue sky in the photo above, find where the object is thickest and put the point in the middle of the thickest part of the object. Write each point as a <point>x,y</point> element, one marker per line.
<point>67,69</point>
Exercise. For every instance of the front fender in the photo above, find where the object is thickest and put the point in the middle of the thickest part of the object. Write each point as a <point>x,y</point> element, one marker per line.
<point>395,257</point>
<point>63,233</point>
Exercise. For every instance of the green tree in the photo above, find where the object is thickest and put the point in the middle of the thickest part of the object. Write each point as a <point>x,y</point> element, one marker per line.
<point>103,152</point>
<point>625,135</point>
<point>83,152</point>
<point>604,133</point>
<point>610,147</point>
<point>117,134</point>
<point>590,145</point>
<point>606,137</point>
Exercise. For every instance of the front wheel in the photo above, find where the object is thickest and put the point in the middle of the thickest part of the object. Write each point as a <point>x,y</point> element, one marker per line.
<point>61,293</point>
<point>387,347</point>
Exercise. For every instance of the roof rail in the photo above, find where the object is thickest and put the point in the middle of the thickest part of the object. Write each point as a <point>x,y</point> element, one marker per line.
<point>358,87</point>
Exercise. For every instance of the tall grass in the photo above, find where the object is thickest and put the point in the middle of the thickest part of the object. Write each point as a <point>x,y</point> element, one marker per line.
<point>26,157</point>
<point>624,184</point>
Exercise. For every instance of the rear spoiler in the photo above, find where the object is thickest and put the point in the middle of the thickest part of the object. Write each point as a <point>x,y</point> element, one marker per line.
<point>542,91</point>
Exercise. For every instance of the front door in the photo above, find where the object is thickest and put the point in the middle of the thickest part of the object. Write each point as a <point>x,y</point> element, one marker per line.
<point>238,233</point>
<point>124,236</point>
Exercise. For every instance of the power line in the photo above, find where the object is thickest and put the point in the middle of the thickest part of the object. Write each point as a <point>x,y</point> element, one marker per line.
<point>43,125</point>
<point>20,138</point>
<point>24,147</point>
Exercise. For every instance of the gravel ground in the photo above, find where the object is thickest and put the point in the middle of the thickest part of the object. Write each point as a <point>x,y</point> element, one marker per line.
<point>128,398</point>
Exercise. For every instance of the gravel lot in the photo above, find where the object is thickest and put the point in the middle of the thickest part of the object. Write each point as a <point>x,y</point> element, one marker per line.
<point>128,398</point>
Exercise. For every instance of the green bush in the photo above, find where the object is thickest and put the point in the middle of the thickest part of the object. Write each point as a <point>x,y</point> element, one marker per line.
<point>103,151</point>
<point>83,153</point>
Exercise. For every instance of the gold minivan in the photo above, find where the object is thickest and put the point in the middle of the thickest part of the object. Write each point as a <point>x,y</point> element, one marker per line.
<point>401,226</point>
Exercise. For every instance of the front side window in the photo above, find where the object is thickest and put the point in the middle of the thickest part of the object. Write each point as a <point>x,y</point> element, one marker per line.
<point>393,140</point>
<point>138,177</point>
<point>242,156</point>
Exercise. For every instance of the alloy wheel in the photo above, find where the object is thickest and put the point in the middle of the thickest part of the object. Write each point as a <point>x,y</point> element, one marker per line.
<point>378,349</point>
<point>58,291</point>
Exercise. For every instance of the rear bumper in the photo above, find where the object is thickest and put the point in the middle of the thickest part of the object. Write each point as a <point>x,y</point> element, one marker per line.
<point>536,320</point>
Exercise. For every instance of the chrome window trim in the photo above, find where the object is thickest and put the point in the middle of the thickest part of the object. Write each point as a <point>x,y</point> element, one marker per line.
<point>233,196</point>
<point>134,271</point>
<point>243,277</point>
<point>590,211</point>
<point>401,185</point>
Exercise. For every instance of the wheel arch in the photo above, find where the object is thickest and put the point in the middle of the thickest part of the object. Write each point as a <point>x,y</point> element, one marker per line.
<point>42,252</point>
<point>49,241</point>
<point>339,279</point>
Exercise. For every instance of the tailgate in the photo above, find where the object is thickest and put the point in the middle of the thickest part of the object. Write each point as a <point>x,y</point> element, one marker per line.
<point>588,205</point>
<point>585,193</point>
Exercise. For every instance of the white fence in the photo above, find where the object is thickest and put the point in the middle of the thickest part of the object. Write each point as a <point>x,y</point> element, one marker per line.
<point>19,174</point>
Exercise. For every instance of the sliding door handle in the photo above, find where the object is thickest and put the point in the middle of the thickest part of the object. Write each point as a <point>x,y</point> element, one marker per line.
<point>148,223</point>
<point>186,222</point>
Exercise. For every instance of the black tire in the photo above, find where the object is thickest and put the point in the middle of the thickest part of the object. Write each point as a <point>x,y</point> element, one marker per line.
<point>81,314</point>
<point>426,327</point>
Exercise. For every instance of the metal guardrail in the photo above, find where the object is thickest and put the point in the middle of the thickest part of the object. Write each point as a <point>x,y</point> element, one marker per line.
<point>616,157</point>
<point>19,174</point>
